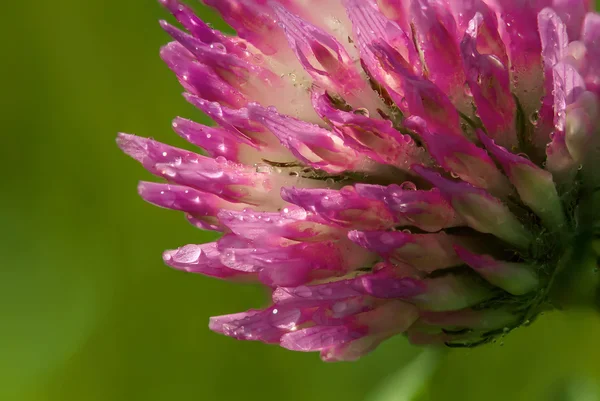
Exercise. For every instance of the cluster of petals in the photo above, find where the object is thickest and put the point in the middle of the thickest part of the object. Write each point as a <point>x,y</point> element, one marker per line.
<point>371,159</point>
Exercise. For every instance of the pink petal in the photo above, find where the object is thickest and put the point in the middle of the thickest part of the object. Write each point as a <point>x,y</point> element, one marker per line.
<point>489,84</point>
<point>291,223</point>
<point>434,31</point>
<point>322,56</point>
<point>515,278</point>
<point>426,252</point>
<point>202,259</point>
<point>318,338</point>
<point>376,138</point>
<point>202,205</point>
<point>427,210</point>
<point>480,210</point>
<point>310,143</point>
<point>415,95</point>
<point>345,208</point>
<point>253,21</point>
<point>460,157</point>
<point>200,79</point>
<point>535,186</point>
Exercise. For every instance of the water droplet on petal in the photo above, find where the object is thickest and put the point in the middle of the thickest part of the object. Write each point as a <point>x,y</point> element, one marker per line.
<point>534,118</point>
<point>262,168</point>
<point>467,89</point>
<point>218,47</point>
<point>408,186</point>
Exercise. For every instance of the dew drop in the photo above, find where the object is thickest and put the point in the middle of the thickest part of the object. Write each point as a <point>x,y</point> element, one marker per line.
<point>534,118</point>
<point>467,89</point>
<point>408,186</point>
<point>262,168</point>
<point>218,47</point>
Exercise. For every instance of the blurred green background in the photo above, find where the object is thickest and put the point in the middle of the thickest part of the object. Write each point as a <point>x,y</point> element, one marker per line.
<point>87,309</point>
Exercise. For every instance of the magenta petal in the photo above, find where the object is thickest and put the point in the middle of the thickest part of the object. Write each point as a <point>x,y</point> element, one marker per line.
<point>253,21</point>
<point>319,294</point>
<point>216,141</point>
<point>516,278</point>
<point>318,338</point>
<point>321,55</point>
<point>382,322</point>
<point>237,72</point>
<point>395,10</point>
<point>488,37</point>
<point>231,181</point>
<point>573,13</point>
<point>416,95</point>
<point>434,31</point>
<point>345,208</point>
<point>292,223</point>
<point>291,265</point>
<point>518,20</point>
<point>370,26</point>
<point>480,210</point>
<point>383,286</point>
<point>203,259</point>
<point>590,35</point>
<point>489,82</point>
<point>553,35</point>
<point>310,143</point>
<point>554,38</point>
<point>200,30</point>
<point>427,210</point>
<point>462,158</point>
<point>568,86</point>
<point>375,138</point>
<point>534,185</point>
<point>263,325</point>
<point>198,78</point>
<point>203,206</point>
<point>427,252</point>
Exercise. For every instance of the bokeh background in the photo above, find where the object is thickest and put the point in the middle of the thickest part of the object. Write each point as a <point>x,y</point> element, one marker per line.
<point>87,309</point>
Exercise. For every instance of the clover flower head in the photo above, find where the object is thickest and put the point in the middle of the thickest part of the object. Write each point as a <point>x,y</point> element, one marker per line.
<point>383,167</point>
